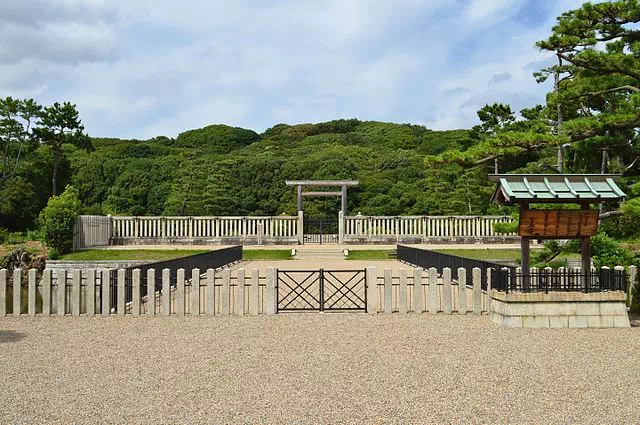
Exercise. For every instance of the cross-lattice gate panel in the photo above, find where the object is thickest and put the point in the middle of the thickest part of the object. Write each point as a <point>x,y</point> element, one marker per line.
<point>321,290</point>
<point>320,230</point>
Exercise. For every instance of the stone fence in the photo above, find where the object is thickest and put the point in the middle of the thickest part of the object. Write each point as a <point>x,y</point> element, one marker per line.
<point>90,231</point>
<point>422,229</point>
<point>221,292</point>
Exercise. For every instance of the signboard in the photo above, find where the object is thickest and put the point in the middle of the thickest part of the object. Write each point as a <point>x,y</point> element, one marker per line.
<point>558,223</point>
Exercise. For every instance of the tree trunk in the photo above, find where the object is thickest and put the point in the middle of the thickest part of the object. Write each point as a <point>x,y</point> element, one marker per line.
<point>556,87</point>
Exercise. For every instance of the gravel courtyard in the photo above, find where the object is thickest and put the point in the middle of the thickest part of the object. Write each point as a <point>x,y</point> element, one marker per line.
<point>313,368</point>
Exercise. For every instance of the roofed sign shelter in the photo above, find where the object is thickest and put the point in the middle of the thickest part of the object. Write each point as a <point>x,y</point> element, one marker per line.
<point>581,189</point>
<point>343,184</point>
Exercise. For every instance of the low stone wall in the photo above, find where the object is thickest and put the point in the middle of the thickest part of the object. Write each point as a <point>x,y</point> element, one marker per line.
<point>248,240</point>
<point>391,240</point>
<point>559,310</point>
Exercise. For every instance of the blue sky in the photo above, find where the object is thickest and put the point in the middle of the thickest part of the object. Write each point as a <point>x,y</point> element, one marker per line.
<point>143,68</point>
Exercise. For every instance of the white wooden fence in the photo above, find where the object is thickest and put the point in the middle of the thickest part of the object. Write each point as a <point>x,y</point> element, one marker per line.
<point>420,228</point>
<point>89,293</point>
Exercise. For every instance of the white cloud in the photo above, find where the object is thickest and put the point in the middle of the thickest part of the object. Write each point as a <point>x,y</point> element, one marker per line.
<point>143,68</point>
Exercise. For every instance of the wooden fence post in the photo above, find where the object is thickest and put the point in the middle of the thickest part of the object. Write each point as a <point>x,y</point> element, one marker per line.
<point>388,291</point>
<point>462,291</point>
<point>418,293</point>
<point>477,291</point>
<point>432,305</point>
<point>447,299</point>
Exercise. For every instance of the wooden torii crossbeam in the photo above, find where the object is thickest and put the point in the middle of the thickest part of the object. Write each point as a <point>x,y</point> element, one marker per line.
<point>343,184</point>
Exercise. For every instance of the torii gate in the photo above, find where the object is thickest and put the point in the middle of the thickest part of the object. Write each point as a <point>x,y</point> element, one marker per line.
<point>344,184</point>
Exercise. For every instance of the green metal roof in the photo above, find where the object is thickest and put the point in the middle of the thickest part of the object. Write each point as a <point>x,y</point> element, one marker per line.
<point>549,188</point>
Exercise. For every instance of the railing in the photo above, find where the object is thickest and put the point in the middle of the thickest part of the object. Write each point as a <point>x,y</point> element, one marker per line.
<point>426,259</point>
<point>204,227</point>
<point>208,260</point>
<point>424,227</point>
<point>561,280</point>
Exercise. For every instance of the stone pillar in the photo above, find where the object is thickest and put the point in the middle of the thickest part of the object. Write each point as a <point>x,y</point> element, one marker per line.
<point>46,292</point>
<point>432,304</point>
<point>388,292</point>
<point>299,198</point>
<point>105,281</point>
<point>32,293</point>
<point>3,292</point>
<point>477,291</point>
<point>151,292</point>
<point>61,278</point>
<point>166,292</point>
<point>260,234</point>
<point>462,291</point>
<point>270,292</point>
<point>447,298</point>
<point>17,291</point>
<point>195,292</point>
<point>402,292</point>
<point>91,293</point>
<point>238,307</point>
<point>135,292</point>
<point>418,294</point>
<point>210,297</point>
<point>180,293</point>
<point>75,293</point>
<point>300,227</point>
<point>372,290</point>
<point>121,293</point>
<point>225,292</point>
<point>340,227</point>
<point>633,275</point>
<point>254,299</point>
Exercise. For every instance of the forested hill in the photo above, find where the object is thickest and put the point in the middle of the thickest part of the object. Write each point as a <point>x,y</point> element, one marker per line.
<point>221,170</point>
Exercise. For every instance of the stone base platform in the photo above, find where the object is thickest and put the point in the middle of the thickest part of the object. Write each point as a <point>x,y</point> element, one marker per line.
<point>559,310</point>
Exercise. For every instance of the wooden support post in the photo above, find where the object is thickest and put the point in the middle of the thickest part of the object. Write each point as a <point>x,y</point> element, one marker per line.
<point>299,198</point>
<point>525,251</point>
<point>344,200</point>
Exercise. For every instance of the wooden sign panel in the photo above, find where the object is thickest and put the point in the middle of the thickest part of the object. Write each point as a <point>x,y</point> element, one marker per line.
<point>558,223</point>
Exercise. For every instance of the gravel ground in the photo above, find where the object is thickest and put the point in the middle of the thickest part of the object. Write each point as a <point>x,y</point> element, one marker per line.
<point>313,368</point>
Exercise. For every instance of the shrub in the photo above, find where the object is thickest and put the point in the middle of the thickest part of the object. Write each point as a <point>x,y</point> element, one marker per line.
<point>56,220</point>
<point>608,252</point>
<point>53,254</point>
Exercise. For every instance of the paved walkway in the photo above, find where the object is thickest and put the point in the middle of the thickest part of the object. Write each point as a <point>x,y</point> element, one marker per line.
<point>314,368</point>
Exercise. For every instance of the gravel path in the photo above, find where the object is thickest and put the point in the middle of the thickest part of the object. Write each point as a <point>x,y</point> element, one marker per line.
<point>313,368</point>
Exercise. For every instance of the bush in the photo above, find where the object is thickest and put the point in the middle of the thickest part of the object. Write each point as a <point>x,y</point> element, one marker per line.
<point>608,252</point>
<point>56,220</point>
<point>53,254</point>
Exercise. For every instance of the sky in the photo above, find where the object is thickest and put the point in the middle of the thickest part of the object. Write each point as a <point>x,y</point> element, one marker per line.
<point>146,68</point>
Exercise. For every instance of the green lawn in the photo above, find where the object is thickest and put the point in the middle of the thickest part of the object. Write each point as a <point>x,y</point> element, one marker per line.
<point>267,254</point>
<point>129,254</point>
<point>369,254</point>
